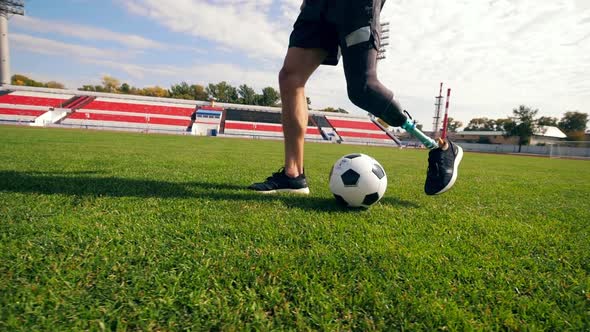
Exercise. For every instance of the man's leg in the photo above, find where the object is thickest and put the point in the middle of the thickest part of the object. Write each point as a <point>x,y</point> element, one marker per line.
<point>299,64</point>
<point>365,90</point>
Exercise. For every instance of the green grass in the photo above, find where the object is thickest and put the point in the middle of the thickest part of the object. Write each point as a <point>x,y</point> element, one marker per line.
<point>119,231</point>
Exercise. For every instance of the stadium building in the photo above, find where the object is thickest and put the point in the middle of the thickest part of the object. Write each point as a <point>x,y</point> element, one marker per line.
<point>541,135</point>
<point>104,111</point>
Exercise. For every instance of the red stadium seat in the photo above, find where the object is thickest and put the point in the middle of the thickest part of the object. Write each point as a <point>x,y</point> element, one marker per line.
<point>139,108</point>
<point>31,101</point>
<point>358,130</point>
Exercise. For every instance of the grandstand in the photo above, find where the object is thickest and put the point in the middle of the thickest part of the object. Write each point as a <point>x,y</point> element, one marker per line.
<point>358,130</point>
<point>23,107</point>
<point>104,111</point>
<point>258,123</point>
<point>117,113</point>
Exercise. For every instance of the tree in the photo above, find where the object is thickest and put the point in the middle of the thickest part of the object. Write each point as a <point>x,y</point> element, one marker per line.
<point>185,91</point>
<point>501,124</point>
<point>19,80</point>
<point>247,95</point>
<point>485,124</point>
<point>522,125</point>
<point>181,91</point>
<point>270,97</point>
<point>480,124</point>
<point>473,125</point>
<point>155,91</point>
<point>23,80</point>
<point>125,88</point>
<point>574,125</point>
<point>94,88</point>
<point>547,121</point>
<point>198,92</point>
<point>308,102</point>
<point>87,88</point>
<point>110,84</point>
<point>222,92</point>
<point>453,125</point>
<point>54,85</point>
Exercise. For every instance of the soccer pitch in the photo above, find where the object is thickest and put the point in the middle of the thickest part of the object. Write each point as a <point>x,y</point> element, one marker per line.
<point>115,231</point>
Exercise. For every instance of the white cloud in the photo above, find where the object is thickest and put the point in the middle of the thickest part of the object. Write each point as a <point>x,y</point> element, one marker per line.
<point>243,26</point>
<point>134,70</point>
<point>53,47</point>
<point>494,54</point>
<point>85,32</point>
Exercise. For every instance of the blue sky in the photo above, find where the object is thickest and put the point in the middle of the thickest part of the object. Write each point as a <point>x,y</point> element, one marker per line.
<point>494,54</point>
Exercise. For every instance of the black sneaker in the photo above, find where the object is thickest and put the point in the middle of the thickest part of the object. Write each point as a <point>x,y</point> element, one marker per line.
<point>279,182</point>
<point>443,168</point>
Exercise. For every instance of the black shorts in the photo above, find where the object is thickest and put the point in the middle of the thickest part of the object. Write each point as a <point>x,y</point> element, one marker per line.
<point>337,24</point>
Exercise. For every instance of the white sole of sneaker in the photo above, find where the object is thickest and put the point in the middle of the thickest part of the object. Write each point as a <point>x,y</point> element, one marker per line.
<point>302,191</point>
<point>455,171</point>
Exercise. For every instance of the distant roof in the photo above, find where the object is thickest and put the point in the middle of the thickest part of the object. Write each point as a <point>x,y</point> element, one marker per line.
<point>480,133</point>
<point>550,131</point>
<point>545,131</point>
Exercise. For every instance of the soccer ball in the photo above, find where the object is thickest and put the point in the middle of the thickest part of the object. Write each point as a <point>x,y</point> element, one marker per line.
<point>357,180</point>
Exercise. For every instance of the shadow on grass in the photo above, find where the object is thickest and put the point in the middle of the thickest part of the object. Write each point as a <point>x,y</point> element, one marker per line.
<point>82,184</point>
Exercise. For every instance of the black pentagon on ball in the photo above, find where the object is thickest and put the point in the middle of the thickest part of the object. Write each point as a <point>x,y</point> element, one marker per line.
<point>378,170</point>
<point>370,199</point>
<point>350,178</point>
<point>340,200</point>
<point>352,156</point>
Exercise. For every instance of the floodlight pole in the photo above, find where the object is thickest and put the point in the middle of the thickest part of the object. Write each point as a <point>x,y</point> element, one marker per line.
<point>4,51</point>
<point>7,7</point>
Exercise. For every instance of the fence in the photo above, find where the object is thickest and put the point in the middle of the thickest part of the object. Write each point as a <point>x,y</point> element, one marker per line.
<point>556,150</point>
<point>579,152</point>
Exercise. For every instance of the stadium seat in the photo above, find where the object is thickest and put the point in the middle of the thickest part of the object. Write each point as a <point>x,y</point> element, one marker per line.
<point>127,107</point>
<point>121,114</point>
<point>19,115</point>
<point>359,130</point>
<point>36,99</point>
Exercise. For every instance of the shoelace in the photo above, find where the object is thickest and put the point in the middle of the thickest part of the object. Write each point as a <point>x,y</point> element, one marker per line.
<point>434,168</point>
<point>434,164</point>
<point>275,175</point>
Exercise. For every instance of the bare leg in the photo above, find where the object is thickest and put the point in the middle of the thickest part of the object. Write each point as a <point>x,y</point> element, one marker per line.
<point>299,64</point>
